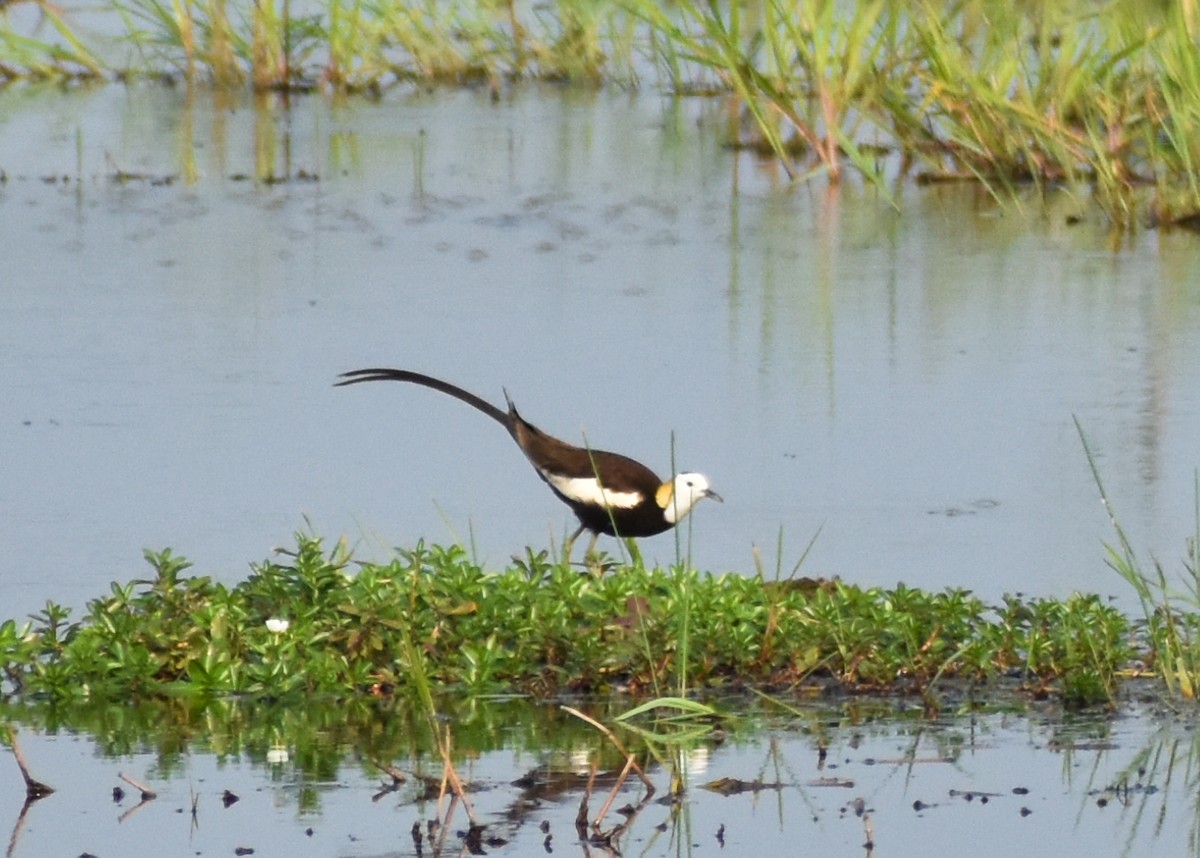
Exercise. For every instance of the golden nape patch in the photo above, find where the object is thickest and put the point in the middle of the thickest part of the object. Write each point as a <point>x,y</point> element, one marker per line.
<point>665,493</point>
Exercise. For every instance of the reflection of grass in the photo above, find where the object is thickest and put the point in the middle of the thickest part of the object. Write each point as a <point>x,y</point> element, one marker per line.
<point>324,737</point>
<point>1171,616</point>
<point>434,619</point>
<point>1166,763</point>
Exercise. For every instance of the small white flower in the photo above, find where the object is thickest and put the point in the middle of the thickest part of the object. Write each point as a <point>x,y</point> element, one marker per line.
<point>277,625</point>
<point>278,754</point>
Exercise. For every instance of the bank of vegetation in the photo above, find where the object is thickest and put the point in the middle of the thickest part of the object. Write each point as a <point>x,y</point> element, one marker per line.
<point>1102,97</point>
<point>314,622</point>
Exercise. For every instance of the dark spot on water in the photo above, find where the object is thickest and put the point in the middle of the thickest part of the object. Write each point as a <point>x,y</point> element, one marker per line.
<point>1025,811</point>
<point>228,798</point>
<point>1102,802</point>
<point>501,221</point>
<point>662,238</point>
<point>1020,790</point>
<point>118,794</point>
<point>919,805</point>
<point>473,839</point>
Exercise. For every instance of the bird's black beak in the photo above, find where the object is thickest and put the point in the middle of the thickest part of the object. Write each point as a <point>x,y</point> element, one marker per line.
<point>709,493</point>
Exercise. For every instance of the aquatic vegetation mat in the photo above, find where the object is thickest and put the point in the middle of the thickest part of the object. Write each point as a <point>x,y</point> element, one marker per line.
<point>314,621</point>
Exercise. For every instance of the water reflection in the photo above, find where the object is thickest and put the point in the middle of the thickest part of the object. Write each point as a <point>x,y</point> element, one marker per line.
<point>828,774</point>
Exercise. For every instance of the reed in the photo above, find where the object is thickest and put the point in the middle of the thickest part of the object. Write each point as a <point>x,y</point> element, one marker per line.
<point>1059,93</point>
<point>62,55</point>
<point>1170,607</point>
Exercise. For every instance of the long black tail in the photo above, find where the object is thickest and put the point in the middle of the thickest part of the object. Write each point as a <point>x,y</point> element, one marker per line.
<point>383,374</point>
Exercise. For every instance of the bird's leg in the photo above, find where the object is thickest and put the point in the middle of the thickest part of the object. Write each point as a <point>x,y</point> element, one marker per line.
<point>591,560</point>
<point>569,544</point>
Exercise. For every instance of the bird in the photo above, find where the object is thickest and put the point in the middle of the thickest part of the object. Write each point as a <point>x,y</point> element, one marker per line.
<point>609,493</point>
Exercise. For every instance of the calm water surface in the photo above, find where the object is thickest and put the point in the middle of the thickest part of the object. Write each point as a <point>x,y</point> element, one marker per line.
<point>903,382</point>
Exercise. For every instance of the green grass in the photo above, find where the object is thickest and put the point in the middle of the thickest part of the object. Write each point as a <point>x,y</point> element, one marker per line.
<point>432,619</point>
<point>1170,604</point>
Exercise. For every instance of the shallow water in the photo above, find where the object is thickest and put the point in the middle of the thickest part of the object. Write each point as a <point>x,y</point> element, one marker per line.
<point>902,382</point>
<point>996,785</point>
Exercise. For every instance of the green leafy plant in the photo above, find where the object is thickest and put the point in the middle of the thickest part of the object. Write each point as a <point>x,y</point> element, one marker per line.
<point>314,622</point>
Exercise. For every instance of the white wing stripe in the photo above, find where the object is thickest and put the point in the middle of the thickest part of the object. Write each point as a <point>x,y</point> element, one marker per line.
<point>587,490</point>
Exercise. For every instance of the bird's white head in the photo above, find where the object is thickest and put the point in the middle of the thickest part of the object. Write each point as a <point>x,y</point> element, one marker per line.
<point>677,497</point>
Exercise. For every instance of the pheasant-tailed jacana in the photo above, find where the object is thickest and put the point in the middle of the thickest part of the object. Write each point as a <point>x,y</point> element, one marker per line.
<point>609,493</point>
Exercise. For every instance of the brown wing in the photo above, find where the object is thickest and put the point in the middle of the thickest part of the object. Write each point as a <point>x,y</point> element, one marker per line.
<point>548,454</point>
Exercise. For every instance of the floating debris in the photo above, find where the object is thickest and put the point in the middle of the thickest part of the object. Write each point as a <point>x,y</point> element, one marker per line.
<point>734,786</point>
